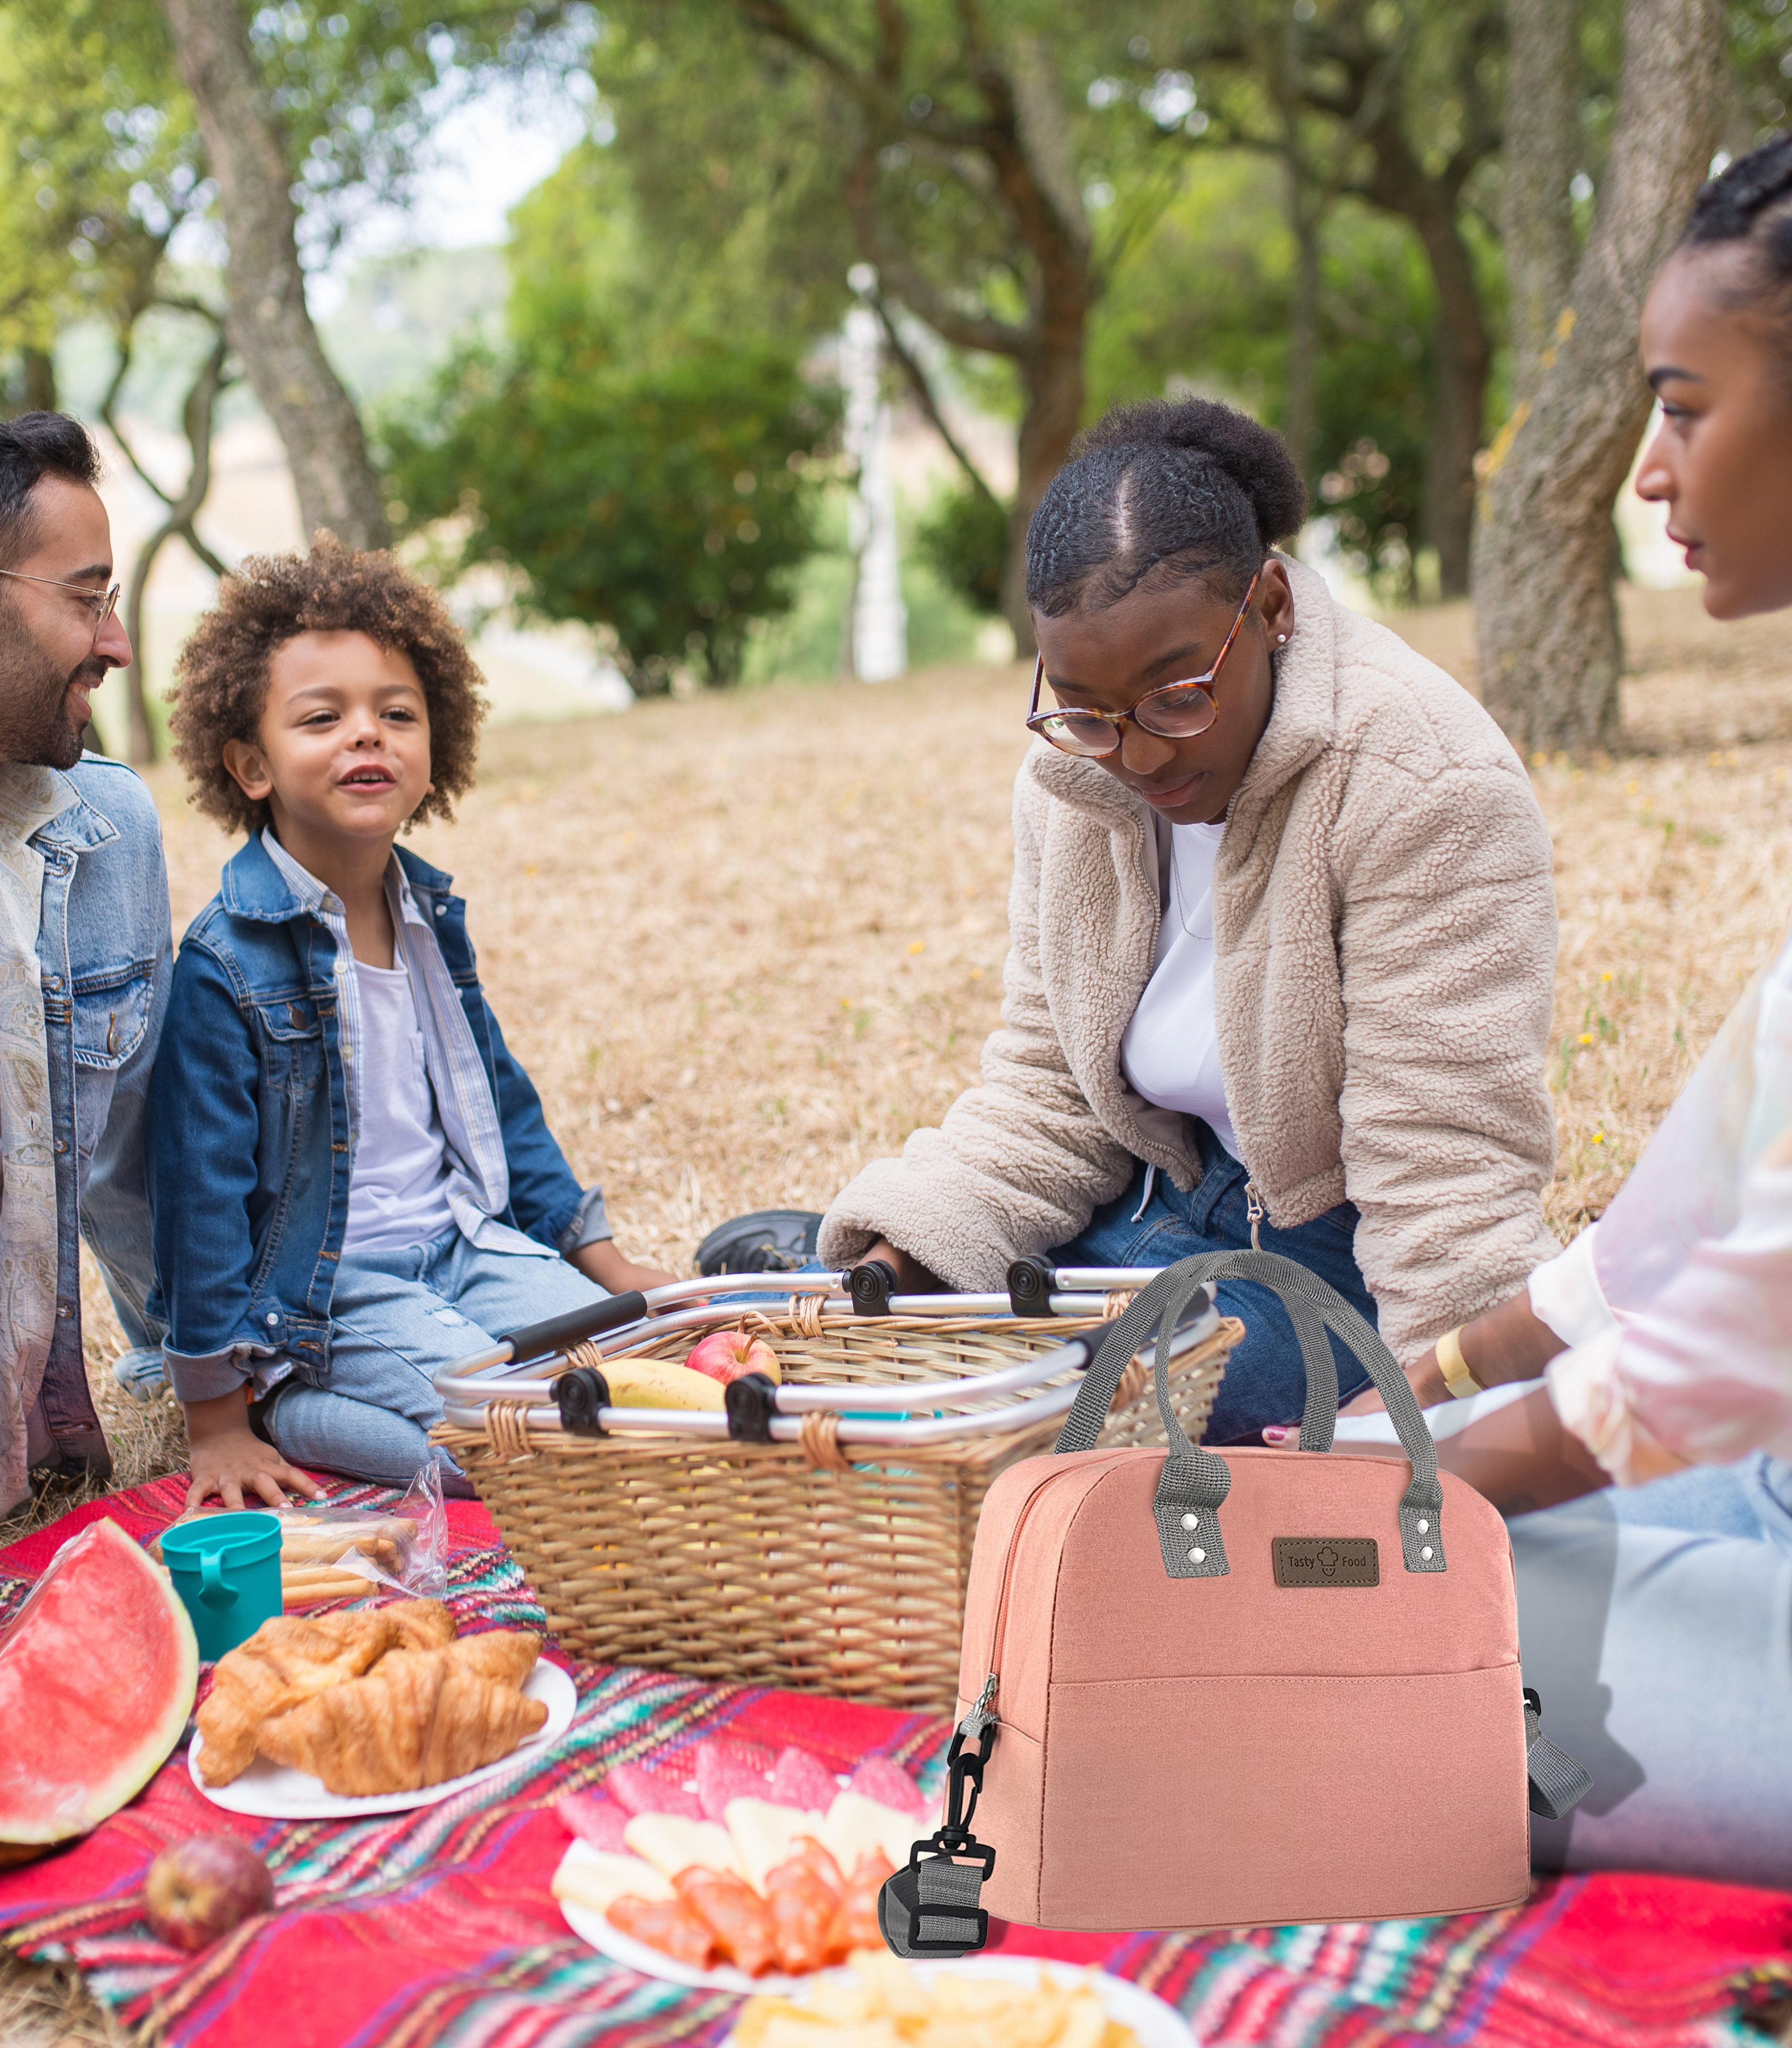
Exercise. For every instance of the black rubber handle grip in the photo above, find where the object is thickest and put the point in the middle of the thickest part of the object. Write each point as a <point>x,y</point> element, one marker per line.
<point>537,1339</point>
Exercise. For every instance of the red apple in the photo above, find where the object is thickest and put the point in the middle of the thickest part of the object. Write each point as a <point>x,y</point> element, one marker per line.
<point>727,1354</point>
<point>200,1888</point>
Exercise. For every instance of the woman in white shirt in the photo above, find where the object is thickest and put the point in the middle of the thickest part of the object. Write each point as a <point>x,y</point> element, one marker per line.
<point>1283,934</point>
<point>1655,1616</point>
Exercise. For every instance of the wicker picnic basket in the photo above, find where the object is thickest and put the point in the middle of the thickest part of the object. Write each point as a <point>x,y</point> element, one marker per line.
<point>816,1565</point>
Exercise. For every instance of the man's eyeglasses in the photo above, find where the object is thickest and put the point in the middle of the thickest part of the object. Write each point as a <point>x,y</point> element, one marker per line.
<point>101,604</point>
<point>1177,711</point>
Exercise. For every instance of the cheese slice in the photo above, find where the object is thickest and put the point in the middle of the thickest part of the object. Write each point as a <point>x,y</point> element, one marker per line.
<point>671,1843</point>
<point>765,1835</point>
<point>596,1878</point>
<point>857,1827</point>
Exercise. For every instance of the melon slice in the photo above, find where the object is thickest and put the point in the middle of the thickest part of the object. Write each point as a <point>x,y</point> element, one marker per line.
<point>97,1677</point>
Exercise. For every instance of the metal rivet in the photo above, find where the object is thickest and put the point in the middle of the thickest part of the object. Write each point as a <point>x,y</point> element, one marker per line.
<point>441,909</point>
<point>55,982</point>
<point>1191,1520</point>
<point>272,1320</point>
<point>1197,1557</point>
<point>64,1311</point>
<point>62,1144</point>
<point>1423,1527</point>
<point>1426,1553</point>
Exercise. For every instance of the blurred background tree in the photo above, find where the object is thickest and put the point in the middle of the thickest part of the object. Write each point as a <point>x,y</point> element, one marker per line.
<point>1359,218</point>
<point>639,457</point>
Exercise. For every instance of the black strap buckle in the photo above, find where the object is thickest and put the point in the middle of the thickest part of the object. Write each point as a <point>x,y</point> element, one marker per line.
<point>963,1770</point>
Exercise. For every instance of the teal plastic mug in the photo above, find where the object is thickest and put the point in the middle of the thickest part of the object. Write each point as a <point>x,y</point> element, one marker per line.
<point>226,1568</point>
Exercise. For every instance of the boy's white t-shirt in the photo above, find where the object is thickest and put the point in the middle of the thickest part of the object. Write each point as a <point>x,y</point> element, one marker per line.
<point>1170,1051</point>
<point>397,1192</point>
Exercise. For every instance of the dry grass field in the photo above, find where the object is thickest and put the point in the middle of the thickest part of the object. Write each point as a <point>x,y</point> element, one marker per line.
<point>746,944</point>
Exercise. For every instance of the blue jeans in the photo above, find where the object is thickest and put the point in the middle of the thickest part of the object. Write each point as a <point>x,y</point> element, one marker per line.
<point>396,1319</point>
<point>1656,1623</point>
<point>1266,1381</point>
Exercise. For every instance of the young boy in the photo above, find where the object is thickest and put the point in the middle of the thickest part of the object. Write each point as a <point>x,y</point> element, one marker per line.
<point>352,1180</point>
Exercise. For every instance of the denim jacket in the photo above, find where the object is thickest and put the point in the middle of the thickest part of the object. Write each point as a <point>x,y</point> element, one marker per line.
<point>250,1145</point>
<point>106,952</point>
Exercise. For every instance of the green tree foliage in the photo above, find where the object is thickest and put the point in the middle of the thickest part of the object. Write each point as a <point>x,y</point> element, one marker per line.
<point>963,537</point>
<point>638,469</point>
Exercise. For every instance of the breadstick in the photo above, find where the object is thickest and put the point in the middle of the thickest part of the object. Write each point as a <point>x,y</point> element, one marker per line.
<point>332,1585</point>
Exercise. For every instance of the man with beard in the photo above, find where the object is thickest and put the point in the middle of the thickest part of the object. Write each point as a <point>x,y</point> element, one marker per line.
<point>84,958</point>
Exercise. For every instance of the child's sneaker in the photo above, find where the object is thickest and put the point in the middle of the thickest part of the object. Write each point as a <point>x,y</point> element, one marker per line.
<point>141,1374</point>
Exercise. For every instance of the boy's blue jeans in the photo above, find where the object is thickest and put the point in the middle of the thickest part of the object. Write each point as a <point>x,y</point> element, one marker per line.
<point>397,1318</point>
<point>1266,1381</point>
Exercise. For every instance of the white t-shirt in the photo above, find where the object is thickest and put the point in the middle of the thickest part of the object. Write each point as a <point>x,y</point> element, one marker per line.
<point>1170,1052</point>
<point>397,1194</point>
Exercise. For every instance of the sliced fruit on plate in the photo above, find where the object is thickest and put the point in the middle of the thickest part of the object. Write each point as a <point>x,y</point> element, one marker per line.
<point>97,1675</point>
<point>877,1777</point>
<point>734,1914</point>
<point>592,1819</point>
<point>639,1790</point>
<point>800,1778</point>
<point>668,1925</point>
<point>596,1877</point>
<point>857,1827</point>
<point>727,1771</point>
<point>765,1835</point>
<point>672,1845</point>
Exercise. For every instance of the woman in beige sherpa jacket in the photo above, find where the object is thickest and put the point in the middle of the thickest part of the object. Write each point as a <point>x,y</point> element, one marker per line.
<point>1346,1034</point>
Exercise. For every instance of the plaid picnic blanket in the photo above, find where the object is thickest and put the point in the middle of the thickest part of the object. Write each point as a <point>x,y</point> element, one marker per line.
<point>437,1926</point>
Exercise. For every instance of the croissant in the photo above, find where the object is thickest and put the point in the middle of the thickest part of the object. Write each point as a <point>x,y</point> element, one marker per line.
<point>287,1661</point>
<point>506,1656</point>
<point>421,1624</point>
<point>417,1721</point>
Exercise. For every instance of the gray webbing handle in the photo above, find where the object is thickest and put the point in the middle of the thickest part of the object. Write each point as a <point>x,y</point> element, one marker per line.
<point>1195,1481</point>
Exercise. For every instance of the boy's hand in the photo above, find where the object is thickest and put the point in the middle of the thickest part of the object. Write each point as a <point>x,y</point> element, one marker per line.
<point>228,1457</point>
<point>604,1263</point>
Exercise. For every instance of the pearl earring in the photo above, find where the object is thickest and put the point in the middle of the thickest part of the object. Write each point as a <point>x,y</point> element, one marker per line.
<point>1281,639</point>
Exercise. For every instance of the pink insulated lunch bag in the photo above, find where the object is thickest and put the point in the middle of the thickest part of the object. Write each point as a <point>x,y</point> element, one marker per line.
<point>1200,1691</point>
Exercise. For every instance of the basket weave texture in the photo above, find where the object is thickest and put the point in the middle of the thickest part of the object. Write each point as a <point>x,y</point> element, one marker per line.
<point>790,1565</point>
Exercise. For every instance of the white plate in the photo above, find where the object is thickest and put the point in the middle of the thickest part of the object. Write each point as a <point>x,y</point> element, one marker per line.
<point>1157,2024</point>
<point>274,1793</point>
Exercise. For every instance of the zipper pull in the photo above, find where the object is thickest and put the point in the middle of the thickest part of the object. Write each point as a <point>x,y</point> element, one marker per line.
<point>982,1713</point>
<point>1255,1210</point>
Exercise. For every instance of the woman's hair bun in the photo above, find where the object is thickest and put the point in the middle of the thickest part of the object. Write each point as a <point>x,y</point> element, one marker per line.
<point>1254,457</point>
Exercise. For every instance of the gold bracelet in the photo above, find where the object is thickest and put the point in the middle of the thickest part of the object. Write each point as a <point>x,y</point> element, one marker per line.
<point>1457,1378</point>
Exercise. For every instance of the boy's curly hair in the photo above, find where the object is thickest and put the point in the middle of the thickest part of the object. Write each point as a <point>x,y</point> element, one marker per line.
<point>222,674</point>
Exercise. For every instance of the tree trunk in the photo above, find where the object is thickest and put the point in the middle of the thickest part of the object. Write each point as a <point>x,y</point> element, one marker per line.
<point>39,366</point>
<point>1464,355</point>
<point>1053,380</point>
<point>269,323</point>
<point>1301,424</point>
<point>1542,140</point>
<point>1550,656</point>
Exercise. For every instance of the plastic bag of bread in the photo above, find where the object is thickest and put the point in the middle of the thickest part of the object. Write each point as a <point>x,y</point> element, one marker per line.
<point>328,1553</point>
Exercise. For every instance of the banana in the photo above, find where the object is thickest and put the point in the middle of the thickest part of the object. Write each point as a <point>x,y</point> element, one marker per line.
<point>656,1382</point>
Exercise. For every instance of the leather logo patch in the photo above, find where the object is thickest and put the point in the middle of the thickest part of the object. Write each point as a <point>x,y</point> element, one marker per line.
<point>1326,1561</point>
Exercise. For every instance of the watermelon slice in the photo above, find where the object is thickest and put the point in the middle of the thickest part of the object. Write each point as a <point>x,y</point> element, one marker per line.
<point>97,1677</point>
<point>731,1770</point>
<point>800,1779</point>
<point>636,1790</point>
<point>592,1819</point>
<point>877,1777</point>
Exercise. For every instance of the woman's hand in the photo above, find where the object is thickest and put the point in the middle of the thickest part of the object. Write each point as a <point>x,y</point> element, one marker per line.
<point>912,1277</point>
<point>604,1263</point>
<point>228,1458</point>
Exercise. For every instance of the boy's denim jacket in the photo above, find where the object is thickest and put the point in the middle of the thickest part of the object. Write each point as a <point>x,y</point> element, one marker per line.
<point>104,953</point>
<point>250,1147</point>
